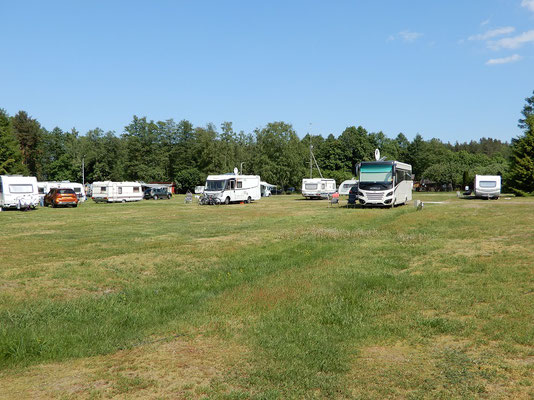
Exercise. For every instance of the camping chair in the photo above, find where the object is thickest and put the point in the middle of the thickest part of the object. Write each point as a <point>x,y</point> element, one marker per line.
<point>333,200</point>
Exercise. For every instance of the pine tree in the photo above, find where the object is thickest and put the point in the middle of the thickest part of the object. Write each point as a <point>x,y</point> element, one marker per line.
<point>10,157</point>
<point>521,179</point>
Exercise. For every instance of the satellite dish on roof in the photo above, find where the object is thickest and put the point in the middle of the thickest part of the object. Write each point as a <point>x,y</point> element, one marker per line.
<point>236,171</point>
<point>377,155</point>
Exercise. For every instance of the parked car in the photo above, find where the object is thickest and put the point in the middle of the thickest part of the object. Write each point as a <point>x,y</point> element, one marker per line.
<point>157,193</point>
<point>61,197</point>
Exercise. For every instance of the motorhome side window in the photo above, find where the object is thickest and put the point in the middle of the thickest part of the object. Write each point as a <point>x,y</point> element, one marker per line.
<point>77,190</point>
<point>102,188</point>
<point>239,184</point>
<point>399,176</point>
<point>136,189</point>
<point>120,190</point>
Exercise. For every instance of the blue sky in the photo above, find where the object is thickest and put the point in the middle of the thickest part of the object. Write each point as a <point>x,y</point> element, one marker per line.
<point>455,70</point>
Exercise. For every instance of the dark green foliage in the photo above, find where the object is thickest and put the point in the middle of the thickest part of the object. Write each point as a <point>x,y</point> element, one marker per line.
<point>187,179</point>
<point>29,136</point>
<point>528,110</point>
<point>10,156</point>
<point>522,166</point>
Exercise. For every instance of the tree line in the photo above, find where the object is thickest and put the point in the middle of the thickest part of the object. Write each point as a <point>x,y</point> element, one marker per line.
<point>180,152</point>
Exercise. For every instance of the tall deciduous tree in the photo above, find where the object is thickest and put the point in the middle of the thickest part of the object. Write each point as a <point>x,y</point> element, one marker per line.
<point>28,133</point>
<point>10,156</point>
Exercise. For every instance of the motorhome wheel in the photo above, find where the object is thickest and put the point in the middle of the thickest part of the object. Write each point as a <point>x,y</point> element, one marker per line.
<point>249,200</point>
<point>123,201</point>
<point>227,201</point>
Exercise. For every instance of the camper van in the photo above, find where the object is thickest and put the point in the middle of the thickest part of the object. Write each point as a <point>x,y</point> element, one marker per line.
<point>17,191</point>
<point>229,188</point>
<point>384,183</point>
<point>116,192</point>
<point>488,186</point>
<point>318,188</point>
<point>345,186</point>
<point>45,187</point>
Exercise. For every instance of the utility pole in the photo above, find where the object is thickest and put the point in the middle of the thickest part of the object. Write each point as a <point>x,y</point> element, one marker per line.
<point>311,146</point>
<point>241,173</point>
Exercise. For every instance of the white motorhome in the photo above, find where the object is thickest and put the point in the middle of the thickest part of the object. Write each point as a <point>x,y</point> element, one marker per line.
<point>488,186</point>
<point>318,188</point>
<point>17,191</point>
<point>116,192</point>
<point>384,183</point>
<point>44,188</point>
<point>345,186</point>
<point>230,187</point>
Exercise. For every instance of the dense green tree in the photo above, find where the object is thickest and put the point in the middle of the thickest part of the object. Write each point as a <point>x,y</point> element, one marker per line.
<point>528,110</point>
<point>10,155</point>
<point>522,167</point>
<point>28,133</point>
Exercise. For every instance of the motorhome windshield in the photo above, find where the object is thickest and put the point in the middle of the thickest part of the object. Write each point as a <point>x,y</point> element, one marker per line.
<point>376,176</point>
<point>215,185</point>
<point>487,184</point>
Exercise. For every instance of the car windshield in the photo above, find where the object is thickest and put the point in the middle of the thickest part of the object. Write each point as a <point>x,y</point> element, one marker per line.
<point>215,185</point>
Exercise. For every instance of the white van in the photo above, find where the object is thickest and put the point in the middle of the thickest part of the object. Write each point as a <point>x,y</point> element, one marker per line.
<point>318,188</point>
<point>17,191</point>
<point>488,186</point>
<point>116,192</point>
<point>345,186</point>
<point>230,188</point>
<point>45,187</point>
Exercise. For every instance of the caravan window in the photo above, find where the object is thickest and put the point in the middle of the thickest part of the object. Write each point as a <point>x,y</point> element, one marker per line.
<point>136,189</point>
<point>20,189</point>
<point>103,189</point>
<point>77,190</point>
<point>40,190</point>
<point>487,184</point>
<point>310,186</point>
<point>239,184</point>
<point>120,190</point>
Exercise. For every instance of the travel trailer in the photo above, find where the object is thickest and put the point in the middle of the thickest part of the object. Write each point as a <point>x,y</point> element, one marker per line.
<point>345,186</point>
<point>44,188</point>
<point>318,188</point>
<point>17,191</point>
<point>229,188</point>
<point>266,189</point>
<point>488,186</point>
<point>116,192</point>
<point>384,183</point>
<point>199,189</point>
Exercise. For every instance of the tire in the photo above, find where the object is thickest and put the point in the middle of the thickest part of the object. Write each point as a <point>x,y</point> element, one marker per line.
<point>227,201</point>
<point>54,205</point>
<point>123,201</point>
<point>155,197</point>
<point>169,196</point>
<point>217,201</point>
<point>249,200</point>
<point>75,205</point>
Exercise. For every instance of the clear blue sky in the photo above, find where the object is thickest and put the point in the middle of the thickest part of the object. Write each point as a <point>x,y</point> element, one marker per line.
<point>455,70</point>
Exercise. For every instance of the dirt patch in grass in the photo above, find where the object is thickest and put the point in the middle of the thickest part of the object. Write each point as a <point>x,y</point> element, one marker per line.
<point>179,368</point>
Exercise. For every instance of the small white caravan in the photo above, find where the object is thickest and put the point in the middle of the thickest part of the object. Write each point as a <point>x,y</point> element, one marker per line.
<point>345,186</point>
<point>116,192</point>
<point>266,189</point>
<point>488,186</point>
<point>199,189</point>
<point>318,188</point>
<point>17,191</point>
<point>230,187</point>
<point>45,187</point>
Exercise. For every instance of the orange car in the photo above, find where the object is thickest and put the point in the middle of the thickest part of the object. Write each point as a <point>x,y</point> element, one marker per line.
<point>61,197</point>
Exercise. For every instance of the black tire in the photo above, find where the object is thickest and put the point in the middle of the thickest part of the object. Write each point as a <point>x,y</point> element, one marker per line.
<point>155,197</point>
<point>217,201</point>
<point>227,201</point>
<point>169,196</point>
<point>249,200</point>
<point>75,205</point>
<point>123,201</point>
<point>54,205</point>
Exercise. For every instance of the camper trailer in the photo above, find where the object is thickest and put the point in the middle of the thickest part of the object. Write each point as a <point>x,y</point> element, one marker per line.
<point>44,188</point>
<point>318,188</point>
<point>230,188</point>
<point>116,192</point>
<point>345,186</point>
<point>384,183</point>
<point>488,186</point>
<point>17,191</point>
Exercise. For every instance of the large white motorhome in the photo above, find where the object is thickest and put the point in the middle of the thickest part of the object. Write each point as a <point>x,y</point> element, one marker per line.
<point>17,191</point>
<point>345,186</point>
<point>116,192</point>
<point>318,188</point>
<point>228,188</point>
<point>488,186</point>
<point>44,188</point>
<point>384,183</point>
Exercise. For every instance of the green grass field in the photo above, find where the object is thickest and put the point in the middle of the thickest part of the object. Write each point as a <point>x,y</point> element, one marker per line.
<point>280,299</point>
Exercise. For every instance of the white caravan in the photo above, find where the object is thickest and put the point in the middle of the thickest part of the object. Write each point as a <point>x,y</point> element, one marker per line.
<point>17,191</point>
<point>230,187</point>
<point>116,192</point>
<point>318,188</point>
<point>199,189</point>
<point>44,188</point>
<point>488,186</point>
<point>384,183</point>
<point>345,186</point>
<point>266,189</point>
